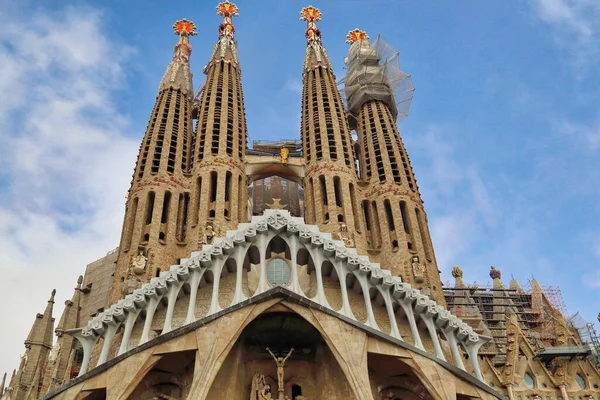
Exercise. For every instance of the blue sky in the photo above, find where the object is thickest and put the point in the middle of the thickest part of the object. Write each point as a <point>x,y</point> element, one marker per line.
<point>503,134</point>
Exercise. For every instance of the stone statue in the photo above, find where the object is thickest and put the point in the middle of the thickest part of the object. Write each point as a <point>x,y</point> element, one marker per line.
<point>418,269</point>
<point>344,235</point>
<point>138,263</point>
<point>280,361</point>
<point>284,155</point>
<point>54,352</point>
<point>209,234</point>
<point>494,273</point>
<point>457,272</point>
<point>265,393</point>
<point>258,381</point>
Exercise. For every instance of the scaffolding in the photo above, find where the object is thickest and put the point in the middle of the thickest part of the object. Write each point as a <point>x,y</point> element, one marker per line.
<point>274,146</point>
<point>588,336</point>
<point>374,74</point>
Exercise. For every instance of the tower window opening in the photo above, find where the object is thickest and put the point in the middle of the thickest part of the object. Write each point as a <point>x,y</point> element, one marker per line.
<point>162,236</point>
<point>211,214</point>
<point>389,215</point>
<point>338,191</point>
<point>323,189</point>
<point>213,186</point>
<point>182,216</point>
<point>165,210</point>
<point>365,207</point>
<point>197,200</point>
<point>157,272</point>
<point>424,234</point>
<point>376,226</point>
<point>355,215</point>
<point>150,208</point>
<point>146,237</point>
<point>241,203</point>
<point>405,220</point>
<point>130,224</point>
<point>227,186</point>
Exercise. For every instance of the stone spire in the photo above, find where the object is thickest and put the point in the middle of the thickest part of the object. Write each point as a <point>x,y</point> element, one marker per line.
<point>3,383</point>
<point>59,355</point>
<point>178,75</point>
<point>226,47</point>
<point>457,274</point>
<point>41,331</point>
<point>37,347</point>
<point>331,182</point>
<point>155,227</point>
<point>397,230</point>
<point>316,55</point>
<point>220,192</point>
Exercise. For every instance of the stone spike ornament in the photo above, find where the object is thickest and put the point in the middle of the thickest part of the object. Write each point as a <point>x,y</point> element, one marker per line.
<point>355,35</point>
<point>311,15</point>
<point>227,10</point>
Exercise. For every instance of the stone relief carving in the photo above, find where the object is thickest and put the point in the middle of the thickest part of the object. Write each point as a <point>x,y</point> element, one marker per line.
<point>418,269</point>
<point>138,263</point>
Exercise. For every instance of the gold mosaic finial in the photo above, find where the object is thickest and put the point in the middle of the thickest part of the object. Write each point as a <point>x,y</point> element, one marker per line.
<point>227,10</point>
<point>311,15</point>
<point>356,35</point>
<point>184,27</point>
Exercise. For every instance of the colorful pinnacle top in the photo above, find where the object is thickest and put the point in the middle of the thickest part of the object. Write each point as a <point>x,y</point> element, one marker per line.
<point>356,35</point>
<point>310,14</point>
<point>227,9</point>
<point>184,27</point>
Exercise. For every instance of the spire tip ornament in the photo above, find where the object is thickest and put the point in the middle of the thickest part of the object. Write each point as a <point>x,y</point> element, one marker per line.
<point>184,27</point>
<point>310,14</point>
<point>355,35</point>
<point>227,9</point>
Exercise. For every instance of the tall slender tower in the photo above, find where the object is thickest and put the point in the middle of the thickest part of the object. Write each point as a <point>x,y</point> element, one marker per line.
<point>396,223</point>
<point>219,186</point>
<point>155,227</point>
<point>28,380</point>
<point>331,179</point>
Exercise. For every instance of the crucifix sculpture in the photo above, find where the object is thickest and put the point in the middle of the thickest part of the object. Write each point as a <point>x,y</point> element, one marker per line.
<point>280,361</point>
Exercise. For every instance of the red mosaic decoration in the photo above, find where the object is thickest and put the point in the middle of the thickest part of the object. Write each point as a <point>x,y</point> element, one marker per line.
<point>356,35</point>
<point>227,9</point>
<point>310,14</point>
<point>185,27</point>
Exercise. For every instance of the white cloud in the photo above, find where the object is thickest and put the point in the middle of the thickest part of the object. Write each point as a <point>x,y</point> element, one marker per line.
<point>575,23</point>
<point>585,134</point>
<point>65,159</point>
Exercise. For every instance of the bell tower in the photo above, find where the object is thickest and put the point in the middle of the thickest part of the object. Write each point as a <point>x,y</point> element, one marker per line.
<point>396,223</point>
<point>220,192</point>
<point>155,230</point>
<point>330,179</point>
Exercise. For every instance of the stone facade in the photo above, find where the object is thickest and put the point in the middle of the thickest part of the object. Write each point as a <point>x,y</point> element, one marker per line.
<point>204,301</point>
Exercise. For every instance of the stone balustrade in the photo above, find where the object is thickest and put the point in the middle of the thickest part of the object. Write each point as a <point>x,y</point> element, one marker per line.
<point>297,235</point>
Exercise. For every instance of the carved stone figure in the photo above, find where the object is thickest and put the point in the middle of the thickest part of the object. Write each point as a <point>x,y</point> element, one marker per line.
<point>494,273</point>
<point>284,155</point>
<point>138,263</point>
<point>418,269</point>
<point>258,383</point>
<point>265,393</point>
<point>457,272</point>
<point>280,361</point>
<point>54,352</point>
<point>209,234</point>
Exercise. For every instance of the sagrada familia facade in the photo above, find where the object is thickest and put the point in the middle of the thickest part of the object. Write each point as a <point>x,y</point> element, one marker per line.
<point>205,300</point>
